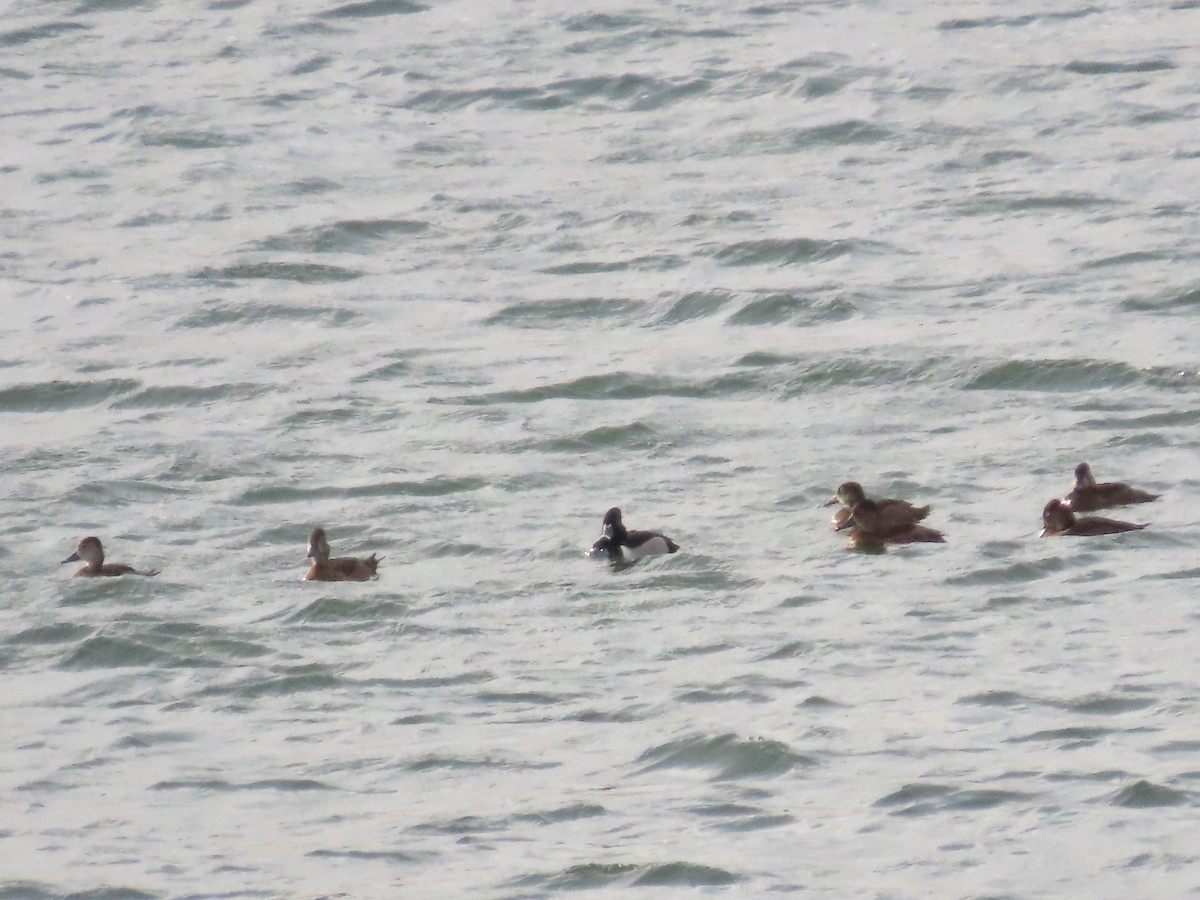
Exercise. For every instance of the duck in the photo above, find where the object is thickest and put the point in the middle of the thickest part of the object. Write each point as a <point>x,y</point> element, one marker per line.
<point>1088,496</point>
<point>91,551</point>
<point>851,493</point>
<point>616,542</point>
<point>880,524</point>
<point>1058,519</point>
<point>345,568</point>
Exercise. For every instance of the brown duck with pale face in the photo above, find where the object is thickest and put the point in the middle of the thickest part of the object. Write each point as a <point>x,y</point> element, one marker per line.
<point>1088,496</point>
<point>1058,519</point>
<point>91,551</point>
<point>879,524</point>
<point>345,568</point>
<point>851,493</point>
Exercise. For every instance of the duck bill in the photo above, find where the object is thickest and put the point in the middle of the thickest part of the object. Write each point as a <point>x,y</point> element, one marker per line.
<point>834,502</point>
<point>74,557</point>
<point>847,522</point>
<point>1045,532</point>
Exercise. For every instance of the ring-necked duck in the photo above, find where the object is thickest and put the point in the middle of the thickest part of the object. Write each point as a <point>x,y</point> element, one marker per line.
<point>879,524</point>
<point>91,551</point>
<point>616,542</point>
<point>345,568</point>
<point>851,494</point>
<point>1057,519</point>
<point>1088,496</point>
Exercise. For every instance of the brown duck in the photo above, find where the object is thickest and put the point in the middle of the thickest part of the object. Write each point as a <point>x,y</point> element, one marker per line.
<point>851,493</point>
<point>345,568</point>
<point>1057,519</point>
<point>879,524</point>
<point>1088,496</point>
<point>91,551</point>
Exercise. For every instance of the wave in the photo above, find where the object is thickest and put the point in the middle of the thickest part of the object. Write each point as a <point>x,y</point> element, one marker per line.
<point>1148,795</point>
<point>1016,21</point>
<point>634,436</point>
<point>289,785</point>
<point>925,798</point>
<point>850,132</point>
<point>211,139</point>
<point>650,263</point>
<point>591,876</point>
<point>620,386</point>
<point>221,312</point>
<point>629,92</point>
<point>372,9</point>
<point>783,251</point>
<point>1074,375</point>
<point>333,610</point>
<point>57,395</point>
<point>786,308</point>
<point>346,236</point>
<point>390,856</point>
<point>105,652</point>
<point>553,313</point>
<point>433,487</point>
<point>45,32</point>
<point>180,395</point>
<point>696,305</point>
<point>999,203</point>
<point>282,682</point>
<point>58,633</point>
<point>1187,300</point>
<point>1105,67</point>
<point>302,273</point>
<point>730,757</point>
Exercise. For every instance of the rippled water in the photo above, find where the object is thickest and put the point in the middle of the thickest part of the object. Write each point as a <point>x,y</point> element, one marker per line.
<point>453,279</point>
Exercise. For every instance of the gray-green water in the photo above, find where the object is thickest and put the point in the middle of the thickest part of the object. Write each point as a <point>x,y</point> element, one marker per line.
<point>450,281</point>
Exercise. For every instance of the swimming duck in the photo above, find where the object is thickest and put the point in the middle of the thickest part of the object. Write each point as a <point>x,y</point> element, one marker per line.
<point>618,543</point>
<point>880,524</point>
<point>1057,518</point>
<point>91,551</point>
<point>345,568</point>
<point>851,493</point>
<point>1088,496</point>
